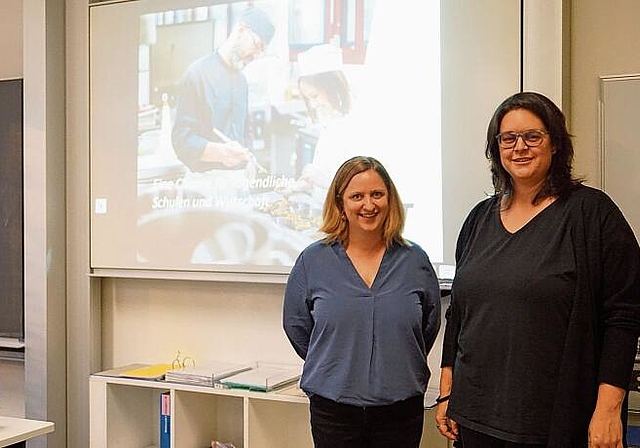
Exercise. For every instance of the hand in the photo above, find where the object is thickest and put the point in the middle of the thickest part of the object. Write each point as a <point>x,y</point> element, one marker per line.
<point>230,154</point>
<point>309,178</point>
<point>446,426</point>
<point>233,154</point>
<point>312,175</point>
<point>605,429</point>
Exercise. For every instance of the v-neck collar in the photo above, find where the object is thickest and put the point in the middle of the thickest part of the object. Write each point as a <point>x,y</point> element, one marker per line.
<point>527,224</point>
<point>342,254</point>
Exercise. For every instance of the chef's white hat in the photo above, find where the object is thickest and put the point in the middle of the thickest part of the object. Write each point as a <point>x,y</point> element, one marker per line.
<point>318,59</point>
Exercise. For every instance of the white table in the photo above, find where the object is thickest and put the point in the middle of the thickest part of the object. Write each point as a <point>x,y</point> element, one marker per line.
<point>15,431</point>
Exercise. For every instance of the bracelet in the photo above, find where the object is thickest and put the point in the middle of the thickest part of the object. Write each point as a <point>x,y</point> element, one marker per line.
<point>442,399</point>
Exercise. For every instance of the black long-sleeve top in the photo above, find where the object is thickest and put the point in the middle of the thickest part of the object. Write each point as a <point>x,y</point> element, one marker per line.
<point>539,317</point>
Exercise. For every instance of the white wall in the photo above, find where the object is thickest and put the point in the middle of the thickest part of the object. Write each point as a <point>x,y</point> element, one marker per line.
<point>545,64</point>
<point>480,67</point>
<point>605,40</point>
<point>150,320</point>
<point>11,39</point>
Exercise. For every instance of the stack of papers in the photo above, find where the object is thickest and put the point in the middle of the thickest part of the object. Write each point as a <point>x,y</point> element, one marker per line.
<point>205,375</point>
<point>263,378</point>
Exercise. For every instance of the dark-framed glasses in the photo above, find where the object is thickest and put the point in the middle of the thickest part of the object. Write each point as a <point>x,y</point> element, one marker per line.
<point>531,138</point>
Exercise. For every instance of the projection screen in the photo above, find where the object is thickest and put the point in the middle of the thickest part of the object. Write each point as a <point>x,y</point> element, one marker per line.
<point>151,61</point>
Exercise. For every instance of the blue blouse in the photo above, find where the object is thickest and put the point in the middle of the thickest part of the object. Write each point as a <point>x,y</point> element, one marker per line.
<point>362,346</point>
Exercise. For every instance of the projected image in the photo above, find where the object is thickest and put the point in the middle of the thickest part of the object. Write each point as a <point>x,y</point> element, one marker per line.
<point>246,109</point>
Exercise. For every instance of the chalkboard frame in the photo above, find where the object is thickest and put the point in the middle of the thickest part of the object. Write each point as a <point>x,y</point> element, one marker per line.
<point>11,210</point>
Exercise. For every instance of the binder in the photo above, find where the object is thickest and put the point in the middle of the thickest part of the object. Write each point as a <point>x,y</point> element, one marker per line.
<point>205,375</point>
<point>165,420</point>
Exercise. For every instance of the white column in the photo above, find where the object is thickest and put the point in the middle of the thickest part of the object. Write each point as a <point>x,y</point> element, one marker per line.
<point>546,49</point>
<point>44,217</point>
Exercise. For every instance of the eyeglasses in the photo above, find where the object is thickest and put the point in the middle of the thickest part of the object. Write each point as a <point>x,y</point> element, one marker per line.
<point>531,138</point>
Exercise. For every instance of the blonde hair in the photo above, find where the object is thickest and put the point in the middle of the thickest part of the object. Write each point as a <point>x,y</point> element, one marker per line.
<point>334,224</point>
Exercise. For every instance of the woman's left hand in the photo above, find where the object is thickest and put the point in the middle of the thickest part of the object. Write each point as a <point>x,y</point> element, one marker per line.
<point>605,428</point>
<point>446,426</point>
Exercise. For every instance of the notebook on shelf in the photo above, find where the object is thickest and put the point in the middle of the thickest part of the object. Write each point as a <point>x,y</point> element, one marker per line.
<point>265,377</point>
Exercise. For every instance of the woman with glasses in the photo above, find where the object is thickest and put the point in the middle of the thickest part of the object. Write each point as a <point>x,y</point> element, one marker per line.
<point>543,325</point>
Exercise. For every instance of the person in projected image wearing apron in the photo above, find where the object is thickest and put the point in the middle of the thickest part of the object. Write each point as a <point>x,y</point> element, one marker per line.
<point>209,132</point>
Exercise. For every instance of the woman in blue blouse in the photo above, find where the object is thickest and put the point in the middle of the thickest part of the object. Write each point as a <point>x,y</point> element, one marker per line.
<point>362,308</point>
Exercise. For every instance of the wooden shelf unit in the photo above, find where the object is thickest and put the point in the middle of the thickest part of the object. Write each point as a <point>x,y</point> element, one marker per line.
<point>125,413</point>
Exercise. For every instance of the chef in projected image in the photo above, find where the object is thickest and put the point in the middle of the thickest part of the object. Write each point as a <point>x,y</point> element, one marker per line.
<point>211,112</point>
<point>327,95</point>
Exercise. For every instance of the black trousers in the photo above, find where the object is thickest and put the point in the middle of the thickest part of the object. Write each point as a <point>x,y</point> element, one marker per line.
<point>336,425</point>
<point>473,439</point>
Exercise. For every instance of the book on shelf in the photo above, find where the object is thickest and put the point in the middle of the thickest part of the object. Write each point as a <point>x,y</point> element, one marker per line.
<point>137,371</point>
<point>206,374</point>
<point>165,420</point>
<point>263,377</point>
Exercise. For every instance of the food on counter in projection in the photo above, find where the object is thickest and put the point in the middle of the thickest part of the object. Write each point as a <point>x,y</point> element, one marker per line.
<point>297,215</point>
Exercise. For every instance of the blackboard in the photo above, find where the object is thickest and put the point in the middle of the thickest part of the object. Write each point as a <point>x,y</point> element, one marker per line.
<point>620,143</point>
<point>11,210</point>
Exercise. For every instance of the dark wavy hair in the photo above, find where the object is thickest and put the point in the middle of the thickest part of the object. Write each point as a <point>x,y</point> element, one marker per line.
<point>560,179</point>
<point>334,224</point>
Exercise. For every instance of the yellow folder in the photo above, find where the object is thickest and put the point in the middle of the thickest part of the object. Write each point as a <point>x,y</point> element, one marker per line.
<point>150,372</point>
